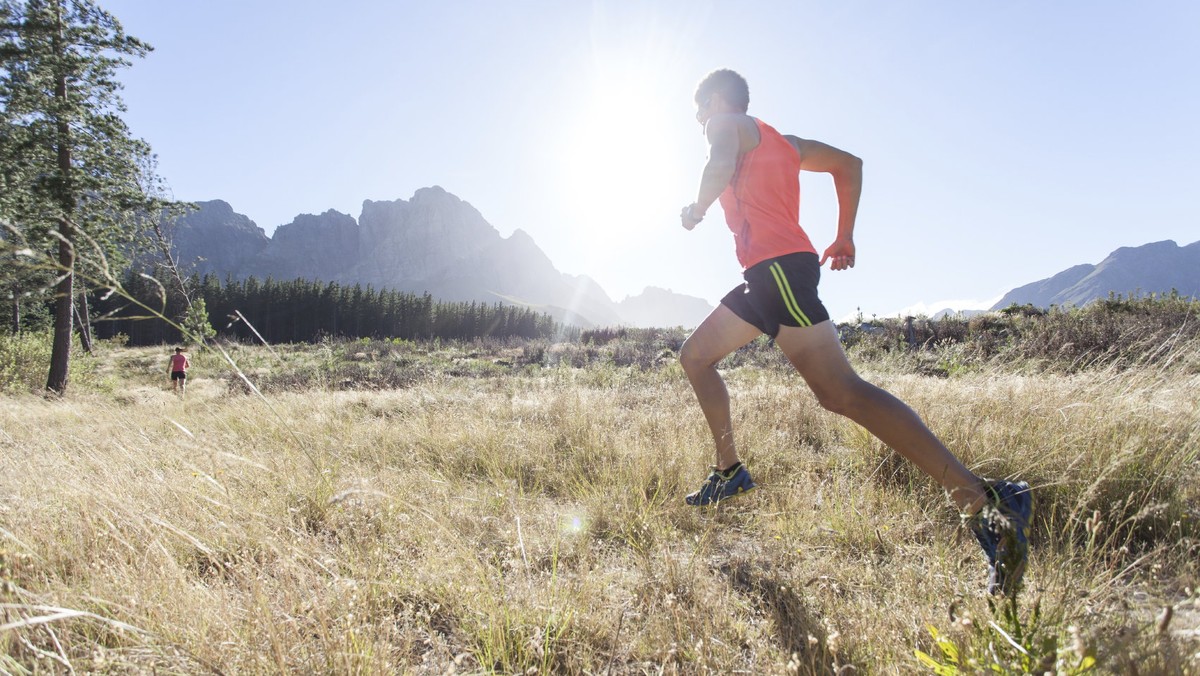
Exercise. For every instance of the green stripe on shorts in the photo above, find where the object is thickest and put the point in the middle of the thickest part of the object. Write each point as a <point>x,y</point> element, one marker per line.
<point>785,290</point>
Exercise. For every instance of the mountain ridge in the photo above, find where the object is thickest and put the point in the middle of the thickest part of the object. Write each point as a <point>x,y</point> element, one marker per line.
<point>1158,268</point>
<point>432,243</point>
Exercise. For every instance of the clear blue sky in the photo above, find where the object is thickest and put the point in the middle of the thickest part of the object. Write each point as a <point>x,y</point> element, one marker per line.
<point>1002,141</point>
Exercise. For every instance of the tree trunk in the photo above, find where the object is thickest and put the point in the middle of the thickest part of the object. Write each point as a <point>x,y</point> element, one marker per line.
<point>60,352</point>
<point>16,310</point>
<point>64,301</point>
<point>85,322</point>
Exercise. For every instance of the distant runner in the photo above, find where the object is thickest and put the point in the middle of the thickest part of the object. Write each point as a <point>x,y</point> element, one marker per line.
<point>178,369</point>
<point>755,172</point>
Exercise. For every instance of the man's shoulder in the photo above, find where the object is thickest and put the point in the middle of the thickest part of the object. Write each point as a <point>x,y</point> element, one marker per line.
<point>766,127</point>
<point>731,121</point>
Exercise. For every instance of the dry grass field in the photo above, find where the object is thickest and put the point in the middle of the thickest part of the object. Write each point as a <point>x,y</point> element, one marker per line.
<point>373,507</point>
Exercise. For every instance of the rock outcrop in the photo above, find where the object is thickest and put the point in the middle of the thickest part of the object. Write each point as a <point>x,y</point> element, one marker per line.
<point>311,247</point>
<point>215,239</point>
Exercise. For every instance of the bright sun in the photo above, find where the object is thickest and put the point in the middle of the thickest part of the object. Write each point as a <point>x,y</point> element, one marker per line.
<point>623,172</point>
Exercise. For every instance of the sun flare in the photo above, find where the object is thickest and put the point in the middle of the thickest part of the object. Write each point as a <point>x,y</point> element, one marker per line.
<point>622,170</point>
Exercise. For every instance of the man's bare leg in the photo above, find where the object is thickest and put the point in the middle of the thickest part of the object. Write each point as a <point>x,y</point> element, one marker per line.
<point>718,335</point>
<point>817,354</point>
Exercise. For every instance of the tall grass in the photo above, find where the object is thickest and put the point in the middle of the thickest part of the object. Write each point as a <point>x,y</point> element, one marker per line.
<point>1118,332</point>
<point>517,508</point>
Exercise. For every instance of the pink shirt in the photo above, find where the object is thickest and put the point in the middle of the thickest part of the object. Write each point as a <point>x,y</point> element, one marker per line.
<point>762,202</point>
<point>179,362</point>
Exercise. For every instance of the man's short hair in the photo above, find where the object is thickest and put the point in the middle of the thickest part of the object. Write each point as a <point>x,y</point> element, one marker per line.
<point>731,86</point>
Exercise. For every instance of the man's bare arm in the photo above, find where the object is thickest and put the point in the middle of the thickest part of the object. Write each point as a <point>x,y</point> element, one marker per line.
<point>723,143</point>
<point>846,170</point>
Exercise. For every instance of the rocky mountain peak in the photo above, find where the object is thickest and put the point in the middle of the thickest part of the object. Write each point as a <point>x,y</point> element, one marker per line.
<point>214,238</point>
<point>656,306</point>
<point>433,243</point>
<point>312,247</point>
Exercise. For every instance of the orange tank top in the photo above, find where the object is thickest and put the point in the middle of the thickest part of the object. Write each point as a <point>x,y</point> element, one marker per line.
<point>762,202</point>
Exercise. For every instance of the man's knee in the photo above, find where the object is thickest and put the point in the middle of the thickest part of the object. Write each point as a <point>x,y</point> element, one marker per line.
<point>692,359</point>
<point>844,398</point>
<point>835,402</point>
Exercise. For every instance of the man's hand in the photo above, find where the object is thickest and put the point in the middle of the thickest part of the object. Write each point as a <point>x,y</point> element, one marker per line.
<point>690,216</point>
<point>842,254</point>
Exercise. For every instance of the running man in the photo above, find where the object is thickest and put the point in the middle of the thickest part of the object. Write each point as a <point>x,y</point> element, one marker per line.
<point>178,367</point>
<point>755,172</point>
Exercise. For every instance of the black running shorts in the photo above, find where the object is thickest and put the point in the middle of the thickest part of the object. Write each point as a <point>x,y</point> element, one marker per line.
<point>178,375</point>
<point>779,292</point>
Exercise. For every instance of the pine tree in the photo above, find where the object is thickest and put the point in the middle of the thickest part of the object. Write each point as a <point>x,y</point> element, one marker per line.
<point>79,176</point>
<point>196,325</point>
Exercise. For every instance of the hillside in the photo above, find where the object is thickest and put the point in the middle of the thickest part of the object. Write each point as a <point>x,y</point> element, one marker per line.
<point>1159,268</point>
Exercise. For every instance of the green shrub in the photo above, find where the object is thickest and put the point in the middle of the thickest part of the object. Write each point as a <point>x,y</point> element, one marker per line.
<point>24,359</point>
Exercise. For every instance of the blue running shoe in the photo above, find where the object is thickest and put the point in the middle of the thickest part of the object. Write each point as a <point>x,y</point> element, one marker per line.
<point>1002,529</point>
<point>721,485</point>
